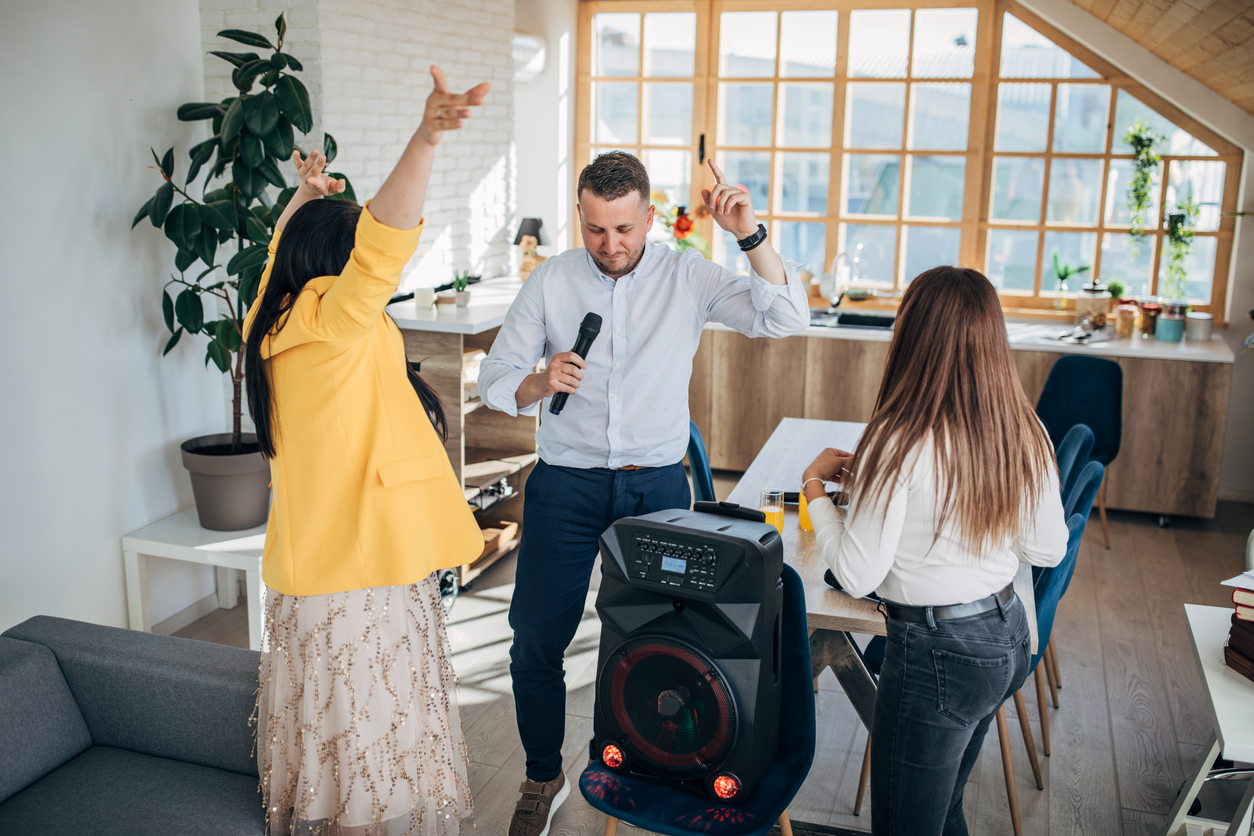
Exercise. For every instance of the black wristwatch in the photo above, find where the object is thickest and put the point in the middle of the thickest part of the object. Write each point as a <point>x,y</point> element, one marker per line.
<point>753,240</point>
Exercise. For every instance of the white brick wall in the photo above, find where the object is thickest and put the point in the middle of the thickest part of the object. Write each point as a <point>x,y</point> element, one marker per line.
<point>366,68</point>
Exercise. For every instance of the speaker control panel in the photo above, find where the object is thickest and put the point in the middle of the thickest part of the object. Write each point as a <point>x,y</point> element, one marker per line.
<point>689,565</point>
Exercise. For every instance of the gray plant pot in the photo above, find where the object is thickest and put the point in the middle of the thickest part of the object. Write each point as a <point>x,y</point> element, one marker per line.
<point>232,492</point>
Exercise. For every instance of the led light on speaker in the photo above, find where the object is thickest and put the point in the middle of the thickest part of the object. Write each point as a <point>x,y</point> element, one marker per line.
<point>726,786</point>
<point>612,755</point>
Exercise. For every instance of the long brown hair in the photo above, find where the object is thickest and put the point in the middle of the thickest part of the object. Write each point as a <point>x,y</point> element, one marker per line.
<point>950,377</point>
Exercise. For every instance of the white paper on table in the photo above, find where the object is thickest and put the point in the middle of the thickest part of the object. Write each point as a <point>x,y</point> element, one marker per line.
<point>1245,580</point>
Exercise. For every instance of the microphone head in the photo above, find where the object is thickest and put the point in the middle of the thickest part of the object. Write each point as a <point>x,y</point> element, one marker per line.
<point>591,325</point>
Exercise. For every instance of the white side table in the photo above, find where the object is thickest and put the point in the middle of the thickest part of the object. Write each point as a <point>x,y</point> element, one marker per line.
<point>180,537</point>
<point>1232,705</point>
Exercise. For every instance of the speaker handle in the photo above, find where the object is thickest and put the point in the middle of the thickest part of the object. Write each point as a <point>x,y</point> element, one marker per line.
<point>730,509</point>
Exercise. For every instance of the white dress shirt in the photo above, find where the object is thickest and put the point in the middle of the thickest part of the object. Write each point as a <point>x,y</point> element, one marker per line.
<point>632,404</point>
<point>893,548</point>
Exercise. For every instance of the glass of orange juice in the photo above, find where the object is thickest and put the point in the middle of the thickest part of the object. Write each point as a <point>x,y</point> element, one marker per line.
<point>803,509</point>
<point>771,503</point>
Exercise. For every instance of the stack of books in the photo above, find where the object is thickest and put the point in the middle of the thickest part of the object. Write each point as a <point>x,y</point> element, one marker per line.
<point>1239,652</point>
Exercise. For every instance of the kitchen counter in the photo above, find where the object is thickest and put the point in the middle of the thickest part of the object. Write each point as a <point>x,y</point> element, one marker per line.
<point>489,301</point>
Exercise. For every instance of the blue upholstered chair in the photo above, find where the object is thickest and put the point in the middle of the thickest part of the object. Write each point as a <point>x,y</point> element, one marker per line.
<point>699,465</point>
<point>1086,390</point>
<point>659,808</point>
<point>1073,454</point>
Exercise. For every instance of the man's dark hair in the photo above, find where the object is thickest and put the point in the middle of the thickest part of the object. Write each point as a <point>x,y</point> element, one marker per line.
<point>613,175</point>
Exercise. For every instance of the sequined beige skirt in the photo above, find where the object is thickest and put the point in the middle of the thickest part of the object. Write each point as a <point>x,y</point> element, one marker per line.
<point>358,730</point>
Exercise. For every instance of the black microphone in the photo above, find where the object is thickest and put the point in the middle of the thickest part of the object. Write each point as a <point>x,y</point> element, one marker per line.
<point>588,330</point>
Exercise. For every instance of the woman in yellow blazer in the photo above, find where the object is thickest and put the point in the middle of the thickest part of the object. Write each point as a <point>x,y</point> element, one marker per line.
<point>358,730</point>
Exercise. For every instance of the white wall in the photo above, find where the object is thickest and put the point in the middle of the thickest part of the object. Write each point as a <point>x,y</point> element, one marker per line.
<point>92,415</point>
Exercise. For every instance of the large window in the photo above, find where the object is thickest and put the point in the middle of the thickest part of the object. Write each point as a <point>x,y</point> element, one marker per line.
<point>933,133</point>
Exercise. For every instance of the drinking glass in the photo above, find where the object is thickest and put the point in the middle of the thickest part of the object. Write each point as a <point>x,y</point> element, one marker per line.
<point>771,503</point>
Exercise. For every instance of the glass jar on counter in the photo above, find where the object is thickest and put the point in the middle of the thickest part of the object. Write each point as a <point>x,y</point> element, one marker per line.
<point>1149,318</point>
<point>1092,307</point>
<point>1170,325</point>
<point>1198,326</point>
<point>1125,320</point>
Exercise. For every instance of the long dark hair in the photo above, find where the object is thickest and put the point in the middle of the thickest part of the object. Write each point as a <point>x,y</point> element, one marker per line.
<point>317,241</point>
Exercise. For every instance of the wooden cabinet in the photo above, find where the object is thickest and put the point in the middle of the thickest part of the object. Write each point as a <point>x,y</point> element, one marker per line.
<point>843,378</point>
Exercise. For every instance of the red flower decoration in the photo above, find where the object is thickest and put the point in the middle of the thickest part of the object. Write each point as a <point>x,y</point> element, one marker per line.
<point>682,227</point>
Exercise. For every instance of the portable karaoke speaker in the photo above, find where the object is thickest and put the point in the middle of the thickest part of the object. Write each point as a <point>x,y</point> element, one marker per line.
<point>688,678</point>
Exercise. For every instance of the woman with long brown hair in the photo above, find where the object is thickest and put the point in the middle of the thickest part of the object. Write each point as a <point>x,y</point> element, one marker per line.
<point>953,484</point>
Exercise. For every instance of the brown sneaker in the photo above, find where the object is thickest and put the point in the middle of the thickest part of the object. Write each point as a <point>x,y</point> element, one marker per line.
<point>535,808</point>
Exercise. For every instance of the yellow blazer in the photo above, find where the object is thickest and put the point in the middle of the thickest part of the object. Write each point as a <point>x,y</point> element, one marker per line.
<point>364,494</point>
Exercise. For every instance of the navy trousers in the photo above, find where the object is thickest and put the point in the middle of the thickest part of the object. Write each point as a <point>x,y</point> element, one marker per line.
<point>565,511</point>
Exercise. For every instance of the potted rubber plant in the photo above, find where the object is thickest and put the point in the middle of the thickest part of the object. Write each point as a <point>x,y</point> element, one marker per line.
<point>231,221</point>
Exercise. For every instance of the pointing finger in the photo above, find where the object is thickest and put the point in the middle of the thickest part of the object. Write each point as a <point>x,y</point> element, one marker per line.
<point>441,83</point>
<point>475,95</point>
<point>718,172</point>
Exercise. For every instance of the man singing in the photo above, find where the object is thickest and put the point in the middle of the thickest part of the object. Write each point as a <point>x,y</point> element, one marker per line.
<point>616,448</point>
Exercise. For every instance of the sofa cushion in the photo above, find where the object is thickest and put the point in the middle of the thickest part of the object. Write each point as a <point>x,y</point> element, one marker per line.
<point>40,726</point>
<point>158,695</point>
<point>113,792</point>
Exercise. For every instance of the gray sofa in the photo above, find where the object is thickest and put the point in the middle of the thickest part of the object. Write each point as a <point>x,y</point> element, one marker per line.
<point>109,731</point>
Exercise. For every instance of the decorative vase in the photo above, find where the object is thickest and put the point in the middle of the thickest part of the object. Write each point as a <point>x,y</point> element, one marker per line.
<point>232,490</point>
<point>462,297</point>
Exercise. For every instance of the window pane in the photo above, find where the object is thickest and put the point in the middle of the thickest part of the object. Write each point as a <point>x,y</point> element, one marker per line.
<point>1017,184</point>
<point>873,249</point>
<point>1011,259</point>
<point>1022,117</point>
<point>1075,250</point>
<point>879,43</point>
<point>1080,118</point>
<point>670,41</point>
<point>1198,265</point>
<point>928,247</point>
<point>1026,53</point>
<point>667,114</point>
<point>670,173</point>
<point>1117,194</point>
<point>1204,182</point>
<point>744,113</point>
<point>746,45</point>
<point>1074,191</point>
<point>749,170</point>
<point>944,43</point>
<point>806,116</point>
<point>1178,141</point>
<point>614,106</point>
<point>807,44</point>
<point>616,44</point>
<point>803,180</point>
<point>936,185</point>
<point>803,242</point>
<point>727,253</point>
<point>871,184</point>
<point>1129,260</point>
<point>875,115</point>
<point>939,116</point>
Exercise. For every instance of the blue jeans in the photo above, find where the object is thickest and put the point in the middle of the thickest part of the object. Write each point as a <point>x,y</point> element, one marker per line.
<point>565,511</point>
<point>939,689</point>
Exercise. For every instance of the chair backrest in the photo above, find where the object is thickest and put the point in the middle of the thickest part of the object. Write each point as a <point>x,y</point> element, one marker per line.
<point>1083,490</point>
<point>1073,454</point>
<point>797,726</point>
<point>699,464</point>
<point>1084,390</point>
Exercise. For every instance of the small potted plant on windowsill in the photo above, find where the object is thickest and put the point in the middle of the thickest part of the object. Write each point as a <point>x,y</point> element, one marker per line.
<point>461,280</point>
<point>1063,272</point>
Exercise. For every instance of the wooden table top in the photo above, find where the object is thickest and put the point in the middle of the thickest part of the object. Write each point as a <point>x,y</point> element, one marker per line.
<point>778,466</point>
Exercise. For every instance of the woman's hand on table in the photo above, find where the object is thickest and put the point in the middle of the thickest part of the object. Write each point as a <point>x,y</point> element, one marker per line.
<point>831,465</point>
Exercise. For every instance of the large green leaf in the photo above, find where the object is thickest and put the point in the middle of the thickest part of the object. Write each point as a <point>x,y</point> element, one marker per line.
<point>241,84</point>
<point>280,142</point>
<point>200,155</point>
<point>167,310</point>
<point>249,281</point>
<point>261,113</point>
<point>293,101</point>
<point>254,68</point>
<point>167,163</point>
<point>293,63</point>
<point>233,121</point>
<point>217,352</point>
<point>280,202</point>
<point>256,230</point>
<point>220,215</point>
<point>250,183</point>
<point>184,259</point>
<point>245,37</point>
<point>278,61</point>
<point>250,150</point>
<point>182,225</point>
<point>190,311</point>
<point>239,59</point>
<point>269,169</point>
<point>329,147</point>
<point>247,258</point>
<point>161,204</point>
<point>280,25</point>
<point>143,212</point>
<point>173,341</point>
<point>216,195</point>
<point>195,111</point>
<point>229,334</point>
<point>206,244</point>
<point>348,193</point>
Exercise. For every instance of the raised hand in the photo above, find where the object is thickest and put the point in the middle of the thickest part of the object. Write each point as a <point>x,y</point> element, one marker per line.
<point>446,110</point>
<point>730,207</point>
<point>311,177</point>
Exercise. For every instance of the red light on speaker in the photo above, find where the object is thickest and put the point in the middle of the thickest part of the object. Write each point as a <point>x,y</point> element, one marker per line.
<point>726,786</point>
<point>612,755</point>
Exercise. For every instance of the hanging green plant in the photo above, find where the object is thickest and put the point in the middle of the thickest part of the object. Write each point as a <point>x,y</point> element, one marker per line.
<point>1142,138</point>
<point>1180,225</point>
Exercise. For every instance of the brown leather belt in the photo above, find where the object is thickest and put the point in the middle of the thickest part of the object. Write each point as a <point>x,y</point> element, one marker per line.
<point>633,467</point>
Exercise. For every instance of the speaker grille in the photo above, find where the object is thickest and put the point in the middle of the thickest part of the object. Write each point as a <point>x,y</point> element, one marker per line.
<point>672,706</point>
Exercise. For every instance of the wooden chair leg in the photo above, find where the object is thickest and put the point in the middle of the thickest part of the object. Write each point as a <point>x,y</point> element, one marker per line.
<point>863,778</point>
<point>1053,663</point>
<point>1003,734</point>
<point>611,826</point>
<point>1040,705</point>
<point>816,684</point>
<point>1051,672</point>
<point>785,825</point>
<point>1101,509</point>
<point>1026,728</point>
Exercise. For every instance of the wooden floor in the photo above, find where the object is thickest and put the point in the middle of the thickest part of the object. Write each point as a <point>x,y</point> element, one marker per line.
<point>1132,719</point>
